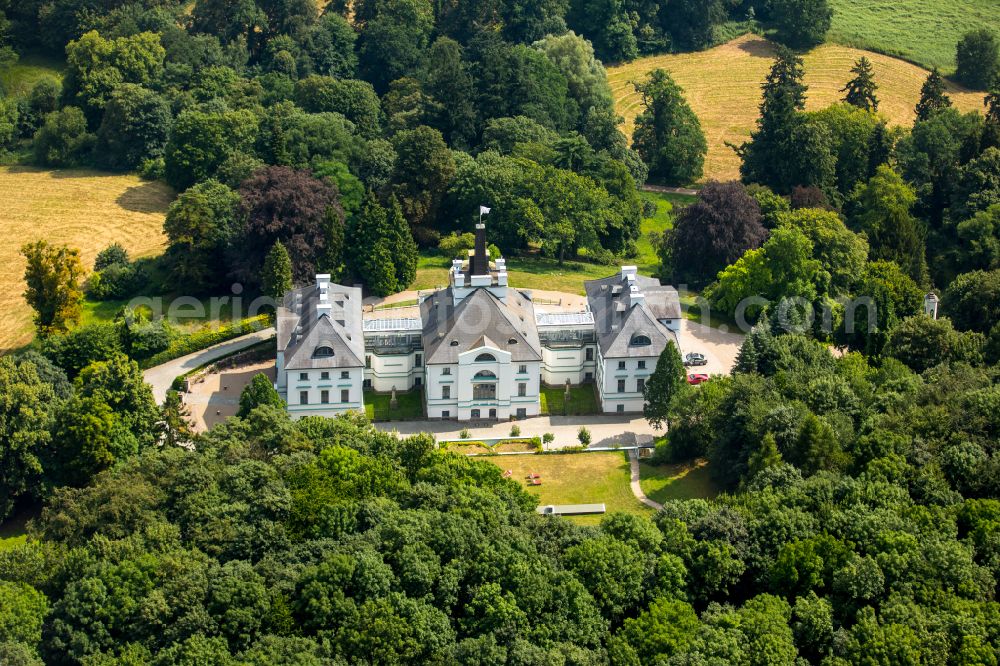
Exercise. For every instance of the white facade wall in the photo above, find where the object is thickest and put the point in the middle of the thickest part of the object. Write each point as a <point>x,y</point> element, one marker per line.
<point>404,371</point>
<point>450,391</point>
<point>631,400</point>
<point>562,363</point>
<point>310,384</point>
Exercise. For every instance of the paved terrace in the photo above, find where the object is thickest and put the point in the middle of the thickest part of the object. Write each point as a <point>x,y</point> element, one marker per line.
<point>605,430</point>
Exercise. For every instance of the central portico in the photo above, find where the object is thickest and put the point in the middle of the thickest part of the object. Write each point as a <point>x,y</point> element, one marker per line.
<point>483,355</point>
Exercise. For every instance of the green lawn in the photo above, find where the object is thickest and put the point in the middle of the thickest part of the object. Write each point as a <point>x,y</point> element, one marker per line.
<point>922,31</point>
<point>18,79</point>
<point>410,405</point>
<point>662,483</point>
<point>95,312</point>
<point>648,261</point>
<point>13,532</point>
<point>582,400</point>
<point>577,478</point>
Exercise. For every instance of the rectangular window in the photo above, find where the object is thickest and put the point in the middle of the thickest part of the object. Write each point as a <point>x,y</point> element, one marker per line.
<point>345,374</point>
<point>418,360</point>
<point>523,370</point>
<point>640,385</point>
<point>324,397</point>
<point>621,365</point>
<point>445,414</point>
<point>474,414</point>
<point>303,397</point>
<point>522,412</point>
<point>588,376</point>
<point>324,375</point>
<point>345,395</point>
<point>368,362</point>
<point>642,365</point>
<point>446,371</point>
<point>621,385</point>
<point>446,393</point>
<point>303,376</point>
<point>522,390</point>
<point>621,409</point>
<point>484,391</point>
<point>590,353</point>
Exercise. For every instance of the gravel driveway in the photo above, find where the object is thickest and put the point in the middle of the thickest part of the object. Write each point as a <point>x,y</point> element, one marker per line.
<point>719,347</point>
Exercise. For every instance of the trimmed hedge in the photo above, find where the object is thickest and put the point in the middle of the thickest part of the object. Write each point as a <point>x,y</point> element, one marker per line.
<point>188,344</point>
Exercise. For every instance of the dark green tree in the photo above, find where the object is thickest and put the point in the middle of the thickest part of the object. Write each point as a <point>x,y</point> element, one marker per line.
<point>201,142</point>
<point>884,208</point>
<point>372,257</point>
<point>774,155</point>
<point>355,100</point>
<point>276,278</point>
<point>932,96</point>
<point>330,47</point>
<point>200,225</point>
<point>63,139</point>
<point>392,42</point>
<point>404,248</point>
<point>860,90</point>
<point>692,23</point>
<point>801,23</point>
<point>606,24</point>
<point>667,380</point>
<point>260,391</point>
<point>977,57</point>
<point>423,172</point>
<point>445,77</point>
<point>972,301</point>
<point>26,406</point>
<point>134,128</point>
<point>668,134</point>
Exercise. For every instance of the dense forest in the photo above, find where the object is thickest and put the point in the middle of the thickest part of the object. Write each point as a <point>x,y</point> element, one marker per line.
<point>861,518</point>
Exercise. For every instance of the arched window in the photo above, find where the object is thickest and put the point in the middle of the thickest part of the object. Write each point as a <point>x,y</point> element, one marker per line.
<point>485,374</point>
<point>486,358</point>
<point>323,352</point>
<point>640,340</point>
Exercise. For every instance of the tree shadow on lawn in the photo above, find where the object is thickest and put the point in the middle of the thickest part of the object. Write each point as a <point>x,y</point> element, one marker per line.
<point>151,197</point>
<point>758,47</point>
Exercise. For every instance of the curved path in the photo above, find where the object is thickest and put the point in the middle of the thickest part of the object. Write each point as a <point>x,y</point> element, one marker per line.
<point>160,377</point>
<point>633,458</point>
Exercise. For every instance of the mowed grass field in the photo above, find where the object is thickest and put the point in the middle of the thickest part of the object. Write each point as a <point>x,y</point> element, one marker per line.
<point>81,208</point>
<point>922,31</point>
<point>577,478</point>
<point>722,85</point>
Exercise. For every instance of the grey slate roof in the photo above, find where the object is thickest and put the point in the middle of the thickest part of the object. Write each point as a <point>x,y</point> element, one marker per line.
<point>617,319</point>
<point>480,318</point>
<point>301,329</point>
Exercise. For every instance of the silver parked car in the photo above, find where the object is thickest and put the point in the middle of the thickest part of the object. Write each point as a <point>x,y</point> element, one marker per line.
<point>695,358</point>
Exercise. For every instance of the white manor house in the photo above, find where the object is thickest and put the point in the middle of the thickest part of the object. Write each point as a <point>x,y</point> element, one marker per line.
<point>480,348</point>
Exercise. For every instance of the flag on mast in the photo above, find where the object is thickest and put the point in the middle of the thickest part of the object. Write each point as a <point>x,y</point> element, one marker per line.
<point>483,210</point>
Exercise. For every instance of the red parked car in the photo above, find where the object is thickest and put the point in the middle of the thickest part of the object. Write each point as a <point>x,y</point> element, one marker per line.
<point>697,378</point>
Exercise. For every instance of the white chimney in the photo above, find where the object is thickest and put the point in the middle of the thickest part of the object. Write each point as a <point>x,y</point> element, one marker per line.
<point>629,273</point>
<point>323,306</point>
<point>635,297</point>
